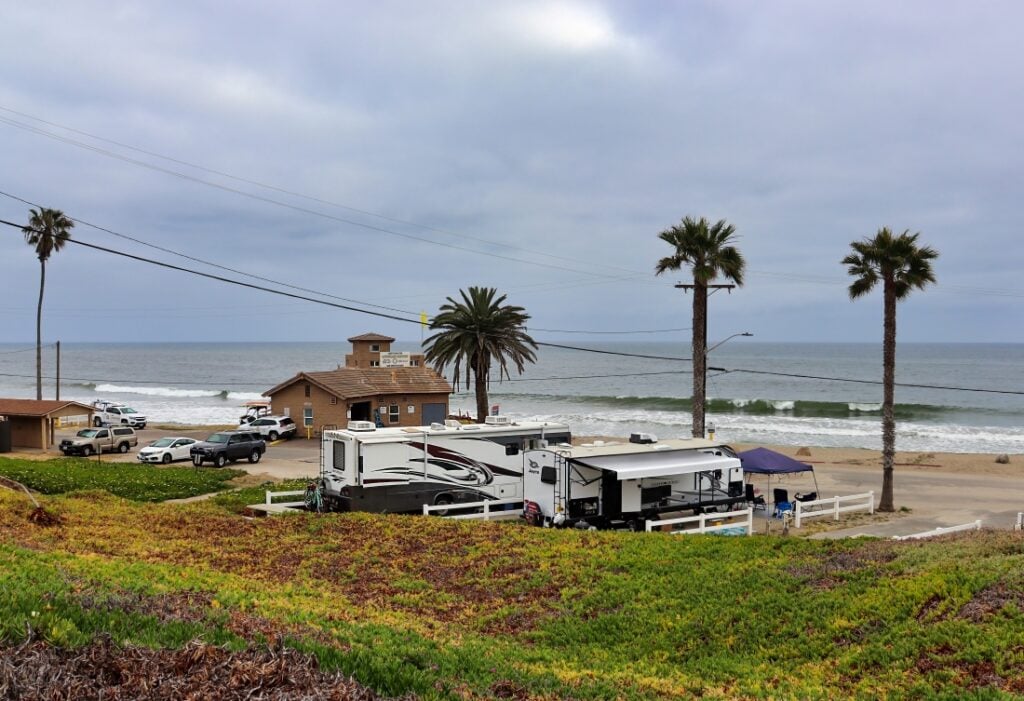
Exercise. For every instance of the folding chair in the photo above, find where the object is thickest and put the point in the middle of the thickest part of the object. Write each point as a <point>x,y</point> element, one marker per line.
<point>780,500</point>
<point>756,501</point>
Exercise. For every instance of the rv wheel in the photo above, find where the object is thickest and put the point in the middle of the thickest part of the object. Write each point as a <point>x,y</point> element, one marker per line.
<point>443,500</point>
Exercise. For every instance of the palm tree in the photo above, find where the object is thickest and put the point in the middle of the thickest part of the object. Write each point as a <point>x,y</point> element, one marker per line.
<point>706,249</point>
<point>474,333</point>
<point>902,266</point>
<point>47,231</point>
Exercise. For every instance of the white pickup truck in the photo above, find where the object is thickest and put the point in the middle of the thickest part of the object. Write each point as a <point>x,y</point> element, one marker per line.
<point>115,414</point>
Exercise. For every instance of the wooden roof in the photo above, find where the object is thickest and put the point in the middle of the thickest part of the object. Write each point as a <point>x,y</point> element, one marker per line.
<point>38,407</point>
<point>353,383</point>
<point>371,337</point>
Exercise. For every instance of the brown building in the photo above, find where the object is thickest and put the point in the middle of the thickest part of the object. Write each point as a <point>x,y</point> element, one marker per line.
<point>32,421</point>
<point>392,389</point>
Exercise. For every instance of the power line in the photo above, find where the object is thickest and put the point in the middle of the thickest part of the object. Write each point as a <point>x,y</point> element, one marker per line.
<point>605,332</point>
<point>257,183</point>
<point>539,343</point>
<point>206,262</point>
<point>305,210</point>
<point>26,350</point>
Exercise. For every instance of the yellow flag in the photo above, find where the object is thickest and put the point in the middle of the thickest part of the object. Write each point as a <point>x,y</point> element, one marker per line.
<point>423,318</point>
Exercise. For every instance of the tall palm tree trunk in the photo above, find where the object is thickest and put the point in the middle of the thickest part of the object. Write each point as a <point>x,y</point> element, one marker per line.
<point>480,377</point>
<point>39,331</point>
<point>888,399</point>
<point>700,357</point>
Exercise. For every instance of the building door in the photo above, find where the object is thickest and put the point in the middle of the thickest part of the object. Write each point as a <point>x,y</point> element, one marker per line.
<point>434,413</point>
<point>360,411</point>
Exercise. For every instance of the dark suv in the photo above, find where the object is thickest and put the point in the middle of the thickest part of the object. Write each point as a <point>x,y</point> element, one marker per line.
<point>228,446</point>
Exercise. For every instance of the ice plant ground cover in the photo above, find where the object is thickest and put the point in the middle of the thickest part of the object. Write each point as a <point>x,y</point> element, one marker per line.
<point>442,609</point>
<point>129,480</point>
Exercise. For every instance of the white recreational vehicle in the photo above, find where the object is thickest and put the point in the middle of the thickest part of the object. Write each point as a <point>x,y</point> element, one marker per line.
<point>365,468</point>
<point>620,485</point>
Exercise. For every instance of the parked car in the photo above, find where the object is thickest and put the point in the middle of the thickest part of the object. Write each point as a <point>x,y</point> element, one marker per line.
<point>113,414</point>
<point>167,450</point>
<point>100,440</point>
<point>228,446</point>
<point>272,427</point>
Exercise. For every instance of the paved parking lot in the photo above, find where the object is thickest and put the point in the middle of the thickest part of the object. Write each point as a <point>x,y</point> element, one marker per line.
<point>294,459</point>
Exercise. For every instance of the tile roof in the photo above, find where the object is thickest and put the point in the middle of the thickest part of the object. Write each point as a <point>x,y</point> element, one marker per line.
<point>352,383</point>
<point>371,337</point>
<point>37,407</point>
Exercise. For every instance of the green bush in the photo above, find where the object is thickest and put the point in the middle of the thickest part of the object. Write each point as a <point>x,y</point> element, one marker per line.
<point>128,480</point>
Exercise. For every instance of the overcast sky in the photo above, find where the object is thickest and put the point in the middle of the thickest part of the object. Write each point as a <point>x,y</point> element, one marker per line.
<point>393,153</point>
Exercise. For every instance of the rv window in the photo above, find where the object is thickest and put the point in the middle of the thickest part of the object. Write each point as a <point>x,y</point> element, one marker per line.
<point>512,449</point>
<point>339,456</point>
<point>548,475</point>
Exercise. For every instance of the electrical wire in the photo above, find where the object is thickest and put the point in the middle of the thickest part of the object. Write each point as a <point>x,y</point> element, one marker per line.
<point>545,344</point>
<point>307,210</point>
<point>274,188</point>
<point>26,350</point>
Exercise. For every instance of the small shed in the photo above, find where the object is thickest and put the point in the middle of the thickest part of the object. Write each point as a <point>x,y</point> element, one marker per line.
<point>32,421</point>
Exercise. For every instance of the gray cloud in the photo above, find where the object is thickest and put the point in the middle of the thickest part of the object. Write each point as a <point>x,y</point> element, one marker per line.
<point>567,134</point>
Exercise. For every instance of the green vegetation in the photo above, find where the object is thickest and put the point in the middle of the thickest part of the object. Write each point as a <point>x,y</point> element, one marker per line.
<point>129,480</point>
<point>447,609</point>
<point>236,500</point>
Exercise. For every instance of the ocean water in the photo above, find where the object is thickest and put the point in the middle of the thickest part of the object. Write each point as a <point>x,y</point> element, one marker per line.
<point>198,383</point>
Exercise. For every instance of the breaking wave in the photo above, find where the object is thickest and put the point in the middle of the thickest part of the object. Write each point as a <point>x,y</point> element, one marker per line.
<point>753,406</point>
<point>172,392</point>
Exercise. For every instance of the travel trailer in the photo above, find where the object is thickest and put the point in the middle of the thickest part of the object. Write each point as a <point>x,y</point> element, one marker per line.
<point>365,468</point>
<point>621,485</point>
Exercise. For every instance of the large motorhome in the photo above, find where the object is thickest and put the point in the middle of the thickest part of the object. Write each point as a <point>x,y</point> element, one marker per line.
<point>620,485</point>
<point>365,468</point>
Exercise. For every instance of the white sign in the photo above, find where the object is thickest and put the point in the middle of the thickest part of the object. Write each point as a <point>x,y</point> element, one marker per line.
<point>395,360</point>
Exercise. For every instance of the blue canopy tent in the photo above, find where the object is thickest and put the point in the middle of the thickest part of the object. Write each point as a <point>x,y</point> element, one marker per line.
<point>762,461</point>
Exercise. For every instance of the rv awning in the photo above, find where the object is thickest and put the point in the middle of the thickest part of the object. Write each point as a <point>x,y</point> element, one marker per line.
<point>659,463</point>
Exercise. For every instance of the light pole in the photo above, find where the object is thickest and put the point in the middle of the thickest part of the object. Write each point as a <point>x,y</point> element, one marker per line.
<point>711,429</point>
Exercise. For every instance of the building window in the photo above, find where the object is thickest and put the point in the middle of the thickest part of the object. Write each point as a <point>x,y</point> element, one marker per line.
<point>307,416</point>
<point>334,400</point>
<point>393,414</point>
<point>374,363</point>
<point>415,362</point>
<point>307,390</point>
<point>375,348</point>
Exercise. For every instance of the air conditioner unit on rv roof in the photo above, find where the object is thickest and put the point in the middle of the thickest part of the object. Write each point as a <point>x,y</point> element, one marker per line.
<point>362,426</point>
<point>497,420</point>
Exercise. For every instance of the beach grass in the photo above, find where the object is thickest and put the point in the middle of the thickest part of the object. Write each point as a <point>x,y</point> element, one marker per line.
<point>128,480</point>
<point>444,609</point>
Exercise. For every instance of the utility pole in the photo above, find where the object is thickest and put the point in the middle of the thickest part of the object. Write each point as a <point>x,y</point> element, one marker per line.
<point>700,350</point>
<point>58,370</point>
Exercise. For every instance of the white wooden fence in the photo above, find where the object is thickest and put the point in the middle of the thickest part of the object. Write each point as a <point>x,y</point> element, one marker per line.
<point>731,522</point>
<point>482,510</point>
<point>839,505</point>
<point>972,526</point>
<point>296,493</point>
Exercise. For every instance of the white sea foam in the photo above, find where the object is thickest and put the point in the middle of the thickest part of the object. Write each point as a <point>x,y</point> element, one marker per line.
<point>157,391</point>
<point>864,407</point>
<point>783,404</point>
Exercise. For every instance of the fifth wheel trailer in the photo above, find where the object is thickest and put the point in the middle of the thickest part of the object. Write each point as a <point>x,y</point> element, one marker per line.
<point>365,468</point>
<point>622,485</point>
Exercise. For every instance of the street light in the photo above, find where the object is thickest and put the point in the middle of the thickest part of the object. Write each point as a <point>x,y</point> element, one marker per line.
<point>704,407</point>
